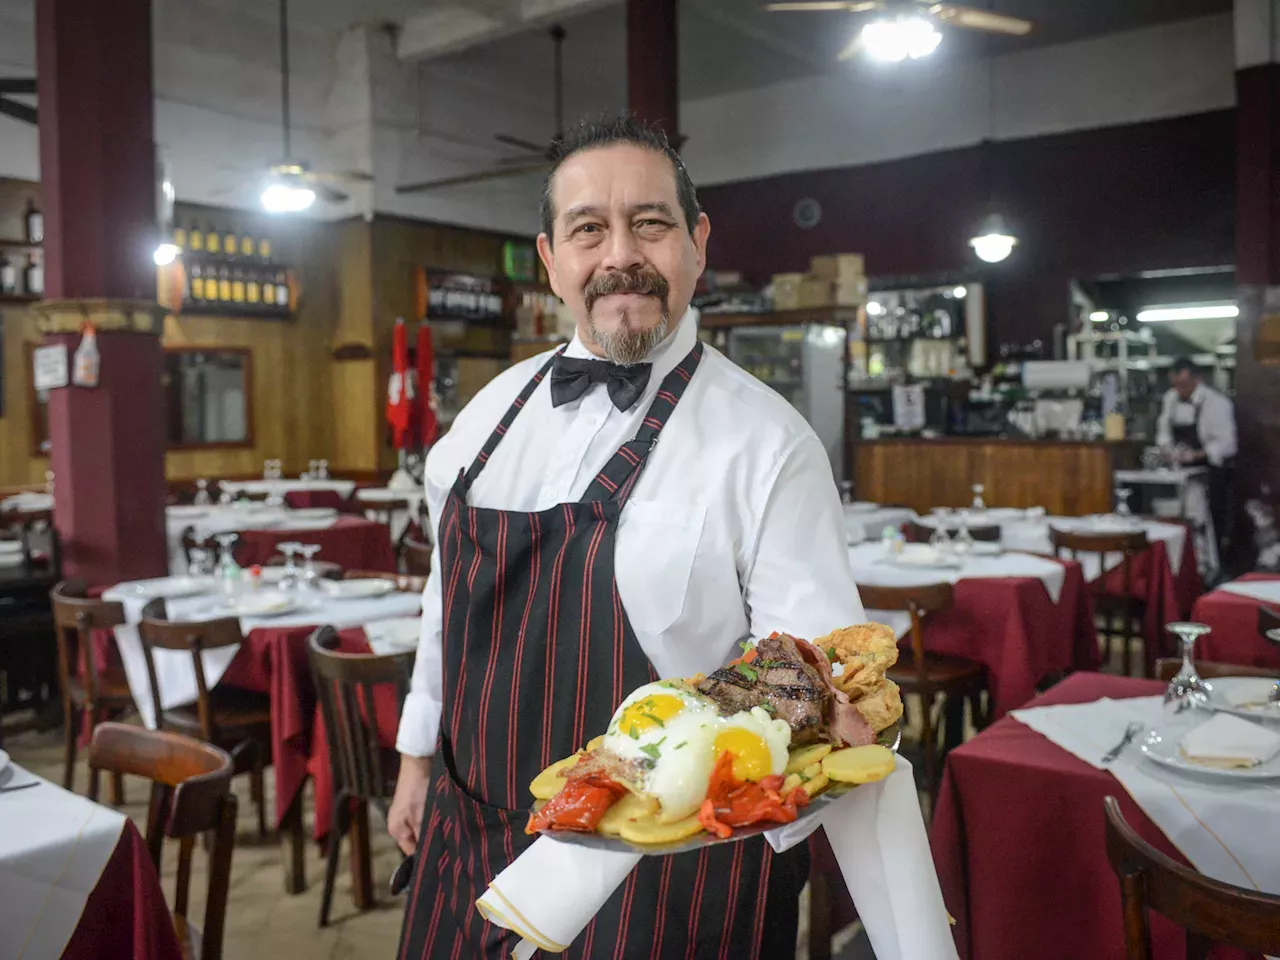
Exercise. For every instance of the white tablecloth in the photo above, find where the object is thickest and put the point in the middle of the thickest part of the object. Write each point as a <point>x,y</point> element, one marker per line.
<point>280,487</point>
<point>1164,475</point>
<point>53,848</point>
<point>374,496</point>
<point>1226,828</point>
<point>1268,591</point>
<point>871,565</point>
<point>866,521</point>
<point>1033,536</point>
<point>27,501</point>
<point>174,671</point>
<point>217,518</point>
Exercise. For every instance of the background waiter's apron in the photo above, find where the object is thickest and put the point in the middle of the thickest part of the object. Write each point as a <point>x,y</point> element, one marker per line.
<point>1188,434</point>
<point>538,652</point>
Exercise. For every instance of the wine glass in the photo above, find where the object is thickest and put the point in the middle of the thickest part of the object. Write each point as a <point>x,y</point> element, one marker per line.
<point>940,539</point>
<point>202,498</point>
<point>199,556</point>
<point>228,569</point>
<point>324,469</point>
<point>1122,502</point>
<point>978,502</point>
<point>1186,690</point>
<point>962,543</point>
<point>292,575</point>
<point>310,576</point>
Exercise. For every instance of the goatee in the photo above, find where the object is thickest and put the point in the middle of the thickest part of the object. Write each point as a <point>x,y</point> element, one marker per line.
<point>626,345</point>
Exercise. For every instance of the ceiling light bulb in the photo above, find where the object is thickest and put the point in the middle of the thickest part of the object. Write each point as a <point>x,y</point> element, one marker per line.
<point>920,36</point>
<point>1204,311</point>
<point>894,40</point>
<point>875,308</point>
<point>994,240</point>
<point>960,292</point>
<point>1099,316</point>
<point>165,254</point>
<point>284,197</point>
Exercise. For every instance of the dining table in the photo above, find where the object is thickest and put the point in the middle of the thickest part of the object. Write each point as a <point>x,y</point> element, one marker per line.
<point>283,485</point>
<point>273,659</point>
<point>76,881</point>
<point>1023,617</point>
<point>1018,829</point>
<point>1232,612</point>
<point>374,500</point>
<point>864,520</point>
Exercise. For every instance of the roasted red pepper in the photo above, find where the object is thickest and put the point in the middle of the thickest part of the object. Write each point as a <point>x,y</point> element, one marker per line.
<point>732,803</point>
<point>579,805</point>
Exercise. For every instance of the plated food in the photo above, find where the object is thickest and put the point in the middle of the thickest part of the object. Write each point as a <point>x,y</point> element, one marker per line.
<point>752,744</point>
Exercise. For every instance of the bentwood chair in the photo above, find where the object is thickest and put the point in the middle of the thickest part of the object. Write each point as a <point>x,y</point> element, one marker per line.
<point>1212,912</point>
<point>417,557</point>
<point>1119,611</point>
<point>190,795</point>
<point>87,692</point>
<point>236,720</point>
<point>364,768</point>
<point>928,675</point>
<point>1167,669</point>
<point>405,582</point>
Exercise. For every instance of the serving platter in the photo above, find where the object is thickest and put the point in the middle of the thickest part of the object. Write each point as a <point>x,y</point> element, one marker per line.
<point>890,737</point>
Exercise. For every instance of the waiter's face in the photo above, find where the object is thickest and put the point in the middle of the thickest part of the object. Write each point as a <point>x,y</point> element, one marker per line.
<point>623,259</point>
<point>1184,381</point>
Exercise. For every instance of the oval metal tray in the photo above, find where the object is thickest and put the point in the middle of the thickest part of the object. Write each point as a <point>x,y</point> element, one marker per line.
<point>890,737</point>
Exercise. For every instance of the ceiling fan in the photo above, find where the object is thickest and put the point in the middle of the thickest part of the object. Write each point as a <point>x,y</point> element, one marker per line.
<point>290,184</point>
<point>12,108</point>
<point>910,27</point>
<point>515,166</point>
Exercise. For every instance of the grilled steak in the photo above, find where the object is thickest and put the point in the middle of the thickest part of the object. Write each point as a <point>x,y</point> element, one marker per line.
<point>778,680</point>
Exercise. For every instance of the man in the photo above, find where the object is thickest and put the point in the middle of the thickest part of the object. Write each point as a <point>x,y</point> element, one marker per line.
<point>579,557</point>
<point>1199,424</point>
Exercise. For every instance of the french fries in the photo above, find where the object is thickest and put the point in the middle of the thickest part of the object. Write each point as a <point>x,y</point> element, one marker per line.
<point>549,782</point>
<point>802,757</point>
<point>649,830</point>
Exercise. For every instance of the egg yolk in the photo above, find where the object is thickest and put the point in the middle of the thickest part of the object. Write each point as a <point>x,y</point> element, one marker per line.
<point>751,757</point>
<point>646,714</point>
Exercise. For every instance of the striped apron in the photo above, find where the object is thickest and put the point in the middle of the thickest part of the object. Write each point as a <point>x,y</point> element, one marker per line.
<point>538,652</point>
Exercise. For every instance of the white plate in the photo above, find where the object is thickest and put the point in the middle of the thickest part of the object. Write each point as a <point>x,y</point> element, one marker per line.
<point>268,604</point>
<point>357,589</point>
<point>170,588</point>
<point>1231,694</point>
<point>1162,746</point>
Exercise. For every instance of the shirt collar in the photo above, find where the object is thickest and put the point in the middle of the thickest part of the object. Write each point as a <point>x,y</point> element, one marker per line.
<point>665,357</point>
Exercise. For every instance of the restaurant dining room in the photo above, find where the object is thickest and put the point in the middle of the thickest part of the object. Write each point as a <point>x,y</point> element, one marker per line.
<point>639,479</point>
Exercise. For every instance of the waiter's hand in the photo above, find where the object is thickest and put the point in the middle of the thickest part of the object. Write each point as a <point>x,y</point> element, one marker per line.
<point>404,819</point>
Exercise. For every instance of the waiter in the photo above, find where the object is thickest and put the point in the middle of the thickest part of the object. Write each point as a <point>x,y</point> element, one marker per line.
<point>626,508</point>
<point>1199,423</point>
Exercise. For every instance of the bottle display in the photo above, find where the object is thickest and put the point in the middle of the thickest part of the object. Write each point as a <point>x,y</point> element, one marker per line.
<point>229,270</point>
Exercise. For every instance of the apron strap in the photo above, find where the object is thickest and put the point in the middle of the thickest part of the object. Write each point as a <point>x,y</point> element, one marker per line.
<point>622,471</point>
<point>507,419</point>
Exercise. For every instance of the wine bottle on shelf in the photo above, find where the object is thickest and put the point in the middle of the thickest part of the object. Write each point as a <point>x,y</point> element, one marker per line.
<point>213,242</point>
<point>33,276</point>
<point>237,286</point>
<point>195,285</point>
<point>246,247</point>
<point>230,245</point>
<point>282,290</point>
<point>180,238</point>
<point>268,290</point>
<point>196,238</point>
<point>34,221</point>
<point>264,250</point>
<point>8,277</point>
<point>252,288</point>
<point>224,283</point>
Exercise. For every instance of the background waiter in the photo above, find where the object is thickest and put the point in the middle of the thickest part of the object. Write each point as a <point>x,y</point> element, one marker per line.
<point>1200,424</point>
<point>626,509</point>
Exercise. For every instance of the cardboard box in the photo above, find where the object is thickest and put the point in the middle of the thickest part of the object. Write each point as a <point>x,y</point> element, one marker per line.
<point>838,266</point>
<point>786,290</point>
<point>851,292</point>
<point>817,292</point>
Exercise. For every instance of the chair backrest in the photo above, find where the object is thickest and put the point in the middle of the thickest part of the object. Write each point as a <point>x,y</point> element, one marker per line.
<point>417,557</point>
<point>25,522</point>
<point>195,637</point>
<point>1268,620</point>
<point>74,616</point>
<point>920,532</point>
<point>1127,544</point>
<point>346,689</point>
<point>1167,668</point>
<point>405,582</point>
<point>1211,911</point>
<point>190,795</point>
<point>384,510</point>
<point>919,602</point>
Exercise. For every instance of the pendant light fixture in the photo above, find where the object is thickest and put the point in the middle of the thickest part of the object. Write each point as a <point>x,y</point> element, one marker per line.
<point>994,240</point>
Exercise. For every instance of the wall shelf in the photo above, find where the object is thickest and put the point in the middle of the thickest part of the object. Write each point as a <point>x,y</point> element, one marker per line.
<point>6,244</point>
<point>18,298</point>
<point>833,316</point>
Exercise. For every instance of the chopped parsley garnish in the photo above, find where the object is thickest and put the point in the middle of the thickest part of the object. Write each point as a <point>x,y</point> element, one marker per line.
<point>831,654</point>
<point>633,732</point>
<point>656,719</point>
<point>769,708</point>
<point>746,646</point>
<point>682,743</point>
<point>652,748</point>
<point>747,670</point>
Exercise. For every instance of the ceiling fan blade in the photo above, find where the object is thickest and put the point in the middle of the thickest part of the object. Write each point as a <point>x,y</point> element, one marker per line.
<point>329,193</point>
<point>340,176</point>
<point>817,6</point>
<point>522,144</point>
<point>985,20</point>
<point>480,177</point>
<point>19,111</point>
<point>17,85</point>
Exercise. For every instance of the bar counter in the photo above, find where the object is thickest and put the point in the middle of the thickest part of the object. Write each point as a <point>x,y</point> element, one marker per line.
<point>1067,478</point>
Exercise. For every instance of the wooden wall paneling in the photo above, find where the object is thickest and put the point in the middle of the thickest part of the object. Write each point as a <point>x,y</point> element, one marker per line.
<point>17,465</point>
<point>354,409</point>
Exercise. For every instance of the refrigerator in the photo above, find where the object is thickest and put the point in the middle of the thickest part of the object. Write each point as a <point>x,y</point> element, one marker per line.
<point>805,364</point>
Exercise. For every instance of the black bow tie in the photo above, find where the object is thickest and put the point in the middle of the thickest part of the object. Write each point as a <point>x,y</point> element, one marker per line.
<point>570,378</point>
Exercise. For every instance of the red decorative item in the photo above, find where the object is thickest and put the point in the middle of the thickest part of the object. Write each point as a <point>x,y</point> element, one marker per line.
<point>429,426</point>
<point>399,398</point>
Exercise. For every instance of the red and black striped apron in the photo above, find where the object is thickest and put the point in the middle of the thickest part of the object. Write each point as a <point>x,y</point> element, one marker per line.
<point>538,652</point>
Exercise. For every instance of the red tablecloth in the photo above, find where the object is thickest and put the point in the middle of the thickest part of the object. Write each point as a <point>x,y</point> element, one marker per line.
<point>1018,842</point>
<point>1012,627</point>
<point>1166,597</point>
<point>125,917</point>
<point>303,499</point>
<point>1235,637</point>
<point>353,542</point>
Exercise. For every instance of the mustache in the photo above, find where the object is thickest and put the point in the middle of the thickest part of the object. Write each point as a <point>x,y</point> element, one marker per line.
<point>643,280</point>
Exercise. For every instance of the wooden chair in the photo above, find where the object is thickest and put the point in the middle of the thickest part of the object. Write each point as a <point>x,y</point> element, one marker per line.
<point>238,721</point>
<point>190,795</point>
<point>1268,620</point>
<point>86,691</point>
<point>417,557</point>
<point>364,771</point>
<point>1124,607</point>
<point>405,582</point>
<point>927,674</point>
<point>1167,668</point>
<point>920,533</point>
<point>1211,911</point>
<point>384,511</point>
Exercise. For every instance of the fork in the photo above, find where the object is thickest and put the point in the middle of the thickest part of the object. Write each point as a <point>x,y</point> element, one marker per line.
<point>1130,732</point>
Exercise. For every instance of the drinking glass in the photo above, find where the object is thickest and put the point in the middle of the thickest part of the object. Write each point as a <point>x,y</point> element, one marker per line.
<point>228,569</point>
<point>324,469</point>
<point>292,575</point>
<point>940,540</point>
<point>202,498</point>
<point>310,576</point>
<point>1122,502</point>
<point>978,502</point>
<point>962,543</point>
<point>1186,690</point>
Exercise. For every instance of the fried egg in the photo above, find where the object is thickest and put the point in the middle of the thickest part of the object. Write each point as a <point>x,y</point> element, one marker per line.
<point>758,742</point>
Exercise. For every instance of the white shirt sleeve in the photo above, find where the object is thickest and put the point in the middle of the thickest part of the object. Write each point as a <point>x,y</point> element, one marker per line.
<point>1217,428</point>
<point>420,718</point>
<point>799,579</point>
<point>1164,423</point>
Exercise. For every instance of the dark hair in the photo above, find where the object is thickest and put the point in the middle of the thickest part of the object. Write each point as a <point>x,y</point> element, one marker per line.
<point>591,134</point>
<point>1185,365</point>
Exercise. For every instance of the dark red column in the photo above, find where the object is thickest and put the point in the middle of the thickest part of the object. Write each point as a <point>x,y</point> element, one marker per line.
<point>653,89</point>
<point>97,159</point>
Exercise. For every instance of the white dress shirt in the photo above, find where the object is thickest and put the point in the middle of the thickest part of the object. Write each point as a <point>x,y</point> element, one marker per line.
<point>1217,423</point>
<point>733,530</point>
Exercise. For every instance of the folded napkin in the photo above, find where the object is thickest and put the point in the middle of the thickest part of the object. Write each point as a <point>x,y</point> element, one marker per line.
<point>553,890</point>
<point>1252,693</point>
<point>1228,741</point>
